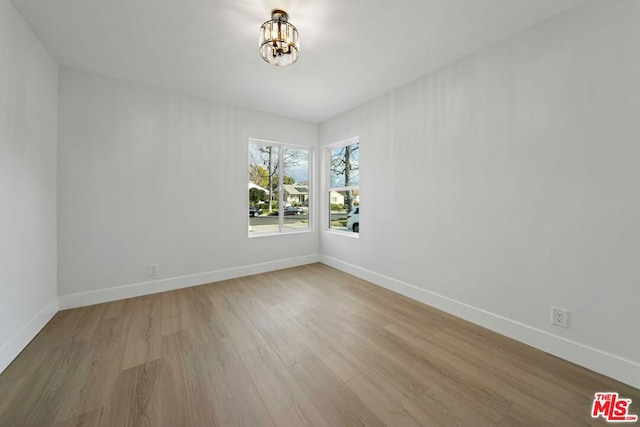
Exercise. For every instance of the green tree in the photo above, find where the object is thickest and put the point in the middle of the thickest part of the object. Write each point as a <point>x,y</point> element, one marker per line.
<point>258,175</point>
<point>286,180</point>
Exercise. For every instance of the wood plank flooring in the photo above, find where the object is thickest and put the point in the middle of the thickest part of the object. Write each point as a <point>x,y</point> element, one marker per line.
<point>307,346</point>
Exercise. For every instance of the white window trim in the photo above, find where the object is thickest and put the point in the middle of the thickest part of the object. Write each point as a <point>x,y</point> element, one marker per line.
<point>281,229</point>
<point>328,148</point>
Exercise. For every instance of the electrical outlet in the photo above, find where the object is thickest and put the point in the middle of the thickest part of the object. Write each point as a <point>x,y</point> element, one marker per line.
<point>559,317</point>
<point>152,270</point>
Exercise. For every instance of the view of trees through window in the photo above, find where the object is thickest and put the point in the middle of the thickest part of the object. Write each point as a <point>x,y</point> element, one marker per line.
<point>279,189</point>
<point>344,186</point>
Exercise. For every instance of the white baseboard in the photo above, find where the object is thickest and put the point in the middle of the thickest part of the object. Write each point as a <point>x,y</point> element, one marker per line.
<point>596,360</point>
<point>23,337</point>
<point>82,299</point>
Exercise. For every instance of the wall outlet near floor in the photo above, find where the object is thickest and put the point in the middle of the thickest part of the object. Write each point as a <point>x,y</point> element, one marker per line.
<point>152,270</point>
<point>560,317</point>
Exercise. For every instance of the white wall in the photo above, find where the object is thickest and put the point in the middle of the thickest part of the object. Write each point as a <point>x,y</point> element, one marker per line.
<point>508,182</point>
<point>494,188</point>
<point>28,128</point>
<point>149,176</point>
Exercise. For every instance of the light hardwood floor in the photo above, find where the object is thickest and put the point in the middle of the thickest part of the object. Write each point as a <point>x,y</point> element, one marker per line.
<point>303,346</point>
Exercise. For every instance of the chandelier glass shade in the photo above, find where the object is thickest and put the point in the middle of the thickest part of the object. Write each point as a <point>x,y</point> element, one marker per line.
<point>279,43</point>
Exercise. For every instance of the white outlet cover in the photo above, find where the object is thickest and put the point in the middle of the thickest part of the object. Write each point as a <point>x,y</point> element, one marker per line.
<point>152,270</point>
<point>559,317</point>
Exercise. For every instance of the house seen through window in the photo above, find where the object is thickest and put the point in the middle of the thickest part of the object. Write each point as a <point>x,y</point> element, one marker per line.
<point>279,188</point>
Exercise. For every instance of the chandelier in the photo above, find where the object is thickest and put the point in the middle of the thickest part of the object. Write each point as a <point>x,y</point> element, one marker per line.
<point>279,41</point>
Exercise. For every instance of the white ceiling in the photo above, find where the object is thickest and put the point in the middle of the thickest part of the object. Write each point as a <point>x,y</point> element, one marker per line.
<point>351,51</point>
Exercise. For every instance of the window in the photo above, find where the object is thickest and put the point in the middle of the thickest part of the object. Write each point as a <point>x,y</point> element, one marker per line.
<point>279,188</point>
<point>344,186</point>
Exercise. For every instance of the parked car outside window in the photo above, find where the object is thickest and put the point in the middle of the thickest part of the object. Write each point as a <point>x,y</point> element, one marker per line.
<point>291,210</point>
<point>353,220</point>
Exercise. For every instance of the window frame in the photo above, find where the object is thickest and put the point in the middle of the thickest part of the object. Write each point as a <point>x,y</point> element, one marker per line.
<point>330,189</point>
<point>282,230</point>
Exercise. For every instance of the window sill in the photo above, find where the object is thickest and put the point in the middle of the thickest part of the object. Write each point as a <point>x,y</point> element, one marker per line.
<point>350,234</point>
<point>277,233</point>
